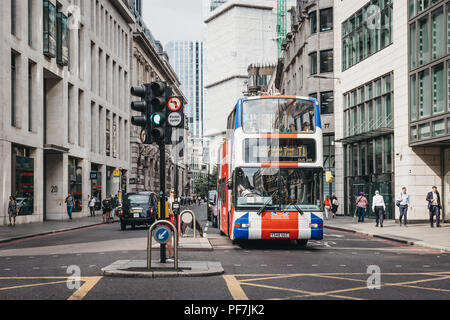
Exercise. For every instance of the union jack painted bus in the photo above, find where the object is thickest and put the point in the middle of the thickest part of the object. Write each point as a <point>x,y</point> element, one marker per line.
<point>270,170</point>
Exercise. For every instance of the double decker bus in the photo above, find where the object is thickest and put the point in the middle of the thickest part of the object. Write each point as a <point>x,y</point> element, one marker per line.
<point>270,170</point>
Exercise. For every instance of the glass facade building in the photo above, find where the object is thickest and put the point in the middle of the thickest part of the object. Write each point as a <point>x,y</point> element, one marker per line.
<point>366,32</point>
<point>429,72</point>
<point>186,58</point>
<point>369,142</point>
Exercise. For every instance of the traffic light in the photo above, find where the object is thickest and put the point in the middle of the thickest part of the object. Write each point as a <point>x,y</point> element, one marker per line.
<point>161,94</point>
<point>143,106</point>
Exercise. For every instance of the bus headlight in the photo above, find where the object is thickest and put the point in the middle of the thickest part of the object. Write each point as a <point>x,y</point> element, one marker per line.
<point>245,225</point>
<point>316,225</point>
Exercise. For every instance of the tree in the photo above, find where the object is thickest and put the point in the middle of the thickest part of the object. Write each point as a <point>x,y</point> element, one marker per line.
<point>205,184</point>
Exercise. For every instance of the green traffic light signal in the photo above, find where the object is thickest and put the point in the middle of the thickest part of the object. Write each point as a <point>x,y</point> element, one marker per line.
<point>157,119</point>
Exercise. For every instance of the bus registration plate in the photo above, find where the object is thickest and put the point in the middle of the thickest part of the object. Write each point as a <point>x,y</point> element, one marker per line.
<point>279,235</point>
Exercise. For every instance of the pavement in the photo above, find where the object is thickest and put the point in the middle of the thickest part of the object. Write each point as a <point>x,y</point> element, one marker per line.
<point>22,231</point>
<point>418,234</point>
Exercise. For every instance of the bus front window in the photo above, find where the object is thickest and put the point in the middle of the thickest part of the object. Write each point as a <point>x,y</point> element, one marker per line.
<point>278,116</point>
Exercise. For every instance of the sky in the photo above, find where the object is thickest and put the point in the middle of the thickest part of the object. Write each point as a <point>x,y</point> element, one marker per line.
<point>174,19</point>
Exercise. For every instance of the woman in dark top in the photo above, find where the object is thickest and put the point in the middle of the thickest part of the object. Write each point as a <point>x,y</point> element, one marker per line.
<point>334,204</point>
<point>12,210</point>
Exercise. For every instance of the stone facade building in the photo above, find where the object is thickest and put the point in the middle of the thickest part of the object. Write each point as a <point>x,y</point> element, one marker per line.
<point>65,96</point>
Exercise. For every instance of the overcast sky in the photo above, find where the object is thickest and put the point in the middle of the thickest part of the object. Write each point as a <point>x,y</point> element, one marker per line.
<point>174,19</point>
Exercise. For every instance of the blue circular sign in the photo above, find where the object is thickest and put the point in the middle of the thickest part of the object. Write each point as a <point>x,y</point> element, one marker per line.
<point>163,234</point>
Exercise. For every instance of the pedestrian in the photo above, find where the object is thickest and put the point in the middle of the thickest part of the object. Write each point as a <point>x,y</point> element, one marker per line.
<point>69,201</point>
<point>171,200</point>
<point>106,209</point>
<point>434,206</point>
<point>12,211</point>
<point>334,204</point>
<point>327,206</point>
<point>403,202</point>
<point>92,206</point>
<point>378,207</point>
<point>361,205</point>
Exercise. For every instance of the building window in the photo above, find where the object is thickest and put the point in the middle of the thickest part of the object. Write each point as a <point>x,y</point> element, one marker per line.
<point>437,33</point>
<point>412,46</point>
<point>30,96</point>
<point>49,15</point>
<point>424,94</point>
<point>326,61</point>
<point>313,62</point>
<point>438,127</point>
<point>424,131</point>
<point>13,88</point>
<point>327,102</point>
<point>326,19</point>
<point>313,22</point>
<point>13,16</point>
<point>438,89</point>
<point>62,48</point>
<point>413,98</point>
<point>423,41</point>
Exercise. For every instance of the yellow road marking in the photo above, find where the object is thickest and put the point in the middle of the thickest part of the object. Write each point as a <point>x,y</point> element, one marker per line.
<point>89,283</point>
<point>235,288</point>
<point>32,285</point>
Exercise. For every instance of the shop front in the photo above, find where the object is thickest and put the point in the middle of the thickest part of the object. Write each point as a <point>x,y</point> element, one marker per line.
<point>75,183</point>
<point>22,179</point>
<point>96,184</point>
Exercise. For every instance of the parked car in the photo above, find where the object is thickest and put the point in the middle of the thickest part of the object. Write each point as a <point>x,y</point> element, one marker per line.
<point>139,208</point>
<point>212,207</point>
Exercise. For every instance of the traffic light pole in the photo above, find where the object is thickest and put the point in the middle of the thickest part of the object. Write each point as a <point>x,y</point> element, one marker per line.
<point>162,193</point>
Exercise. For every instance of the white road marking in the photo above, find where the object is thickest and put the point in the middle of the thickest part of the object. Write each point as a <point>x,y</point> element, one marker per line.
<point>36,268</point>
<point>92,266</point>
<point>7,269</point>
<point>289,265</point>
<point>63,267</point>
<point>398,266</point>
<point>264,265</point>
<point>315,265</point>
<point>426,266</point>
<point>334,235</point>
<point>237,265</point>
<point>342,265</point>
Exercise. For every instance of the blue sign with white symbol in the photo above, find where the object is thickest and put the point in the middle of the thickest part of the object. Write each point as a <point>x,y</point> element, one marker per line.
<point>162,234</point>
<point>94,175</point>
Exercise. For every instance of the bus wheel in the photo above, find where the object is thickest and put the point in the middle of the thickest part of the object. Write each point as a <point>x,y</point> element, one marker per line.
<point>302,242</point>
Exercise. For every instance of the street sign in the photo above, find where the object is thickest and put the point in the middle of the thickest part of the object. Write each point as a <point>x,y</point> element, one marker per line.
<point>132,181</point>
<point>162,234</point>
<point>174,104</point>
<point>116,173</point>
<point>175,119</point>
<point>94,175</point>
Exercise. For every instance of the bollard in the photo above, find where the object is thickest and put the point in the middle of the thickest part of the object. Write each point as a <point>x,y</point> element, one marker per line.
<point>193,222</point>
<point>149,242</point>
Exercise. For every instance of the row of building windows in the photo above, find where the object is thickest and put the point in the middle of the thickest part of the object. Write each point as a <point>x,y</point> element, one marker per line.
<point>416,7</point>
<point>109,31</point>
<point>374,156</point>
<point>369,107</point>
<point>429,39</point>
<point>366,32</point>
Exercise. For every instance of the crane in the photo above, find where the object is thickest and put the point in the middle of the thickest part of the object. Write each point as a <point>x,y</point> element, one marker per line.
<point>281,24</point>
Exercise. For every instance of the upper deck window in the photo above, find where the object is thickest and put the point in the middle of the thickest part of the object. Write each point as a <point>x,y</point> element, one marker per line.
<point>279,116</point>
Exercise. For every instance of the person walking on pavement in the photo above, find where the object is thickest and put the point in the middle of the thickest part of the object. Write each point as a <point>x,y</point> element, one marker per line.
<point>12,211</point>
<point>327,206</point>
<point>334,204</point>
<point>106,209</point>
<point>69,201</point>
<point>361,205</point>
<point>403,204</point>
<point>378,207</point>
<point>92,206</point>
<point>434,206</point>
<point>171,200</point>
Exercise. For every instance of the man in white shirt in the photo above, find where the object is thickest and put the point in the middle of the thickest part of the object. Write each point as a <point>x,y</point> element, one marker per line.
<point>378,207</point>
